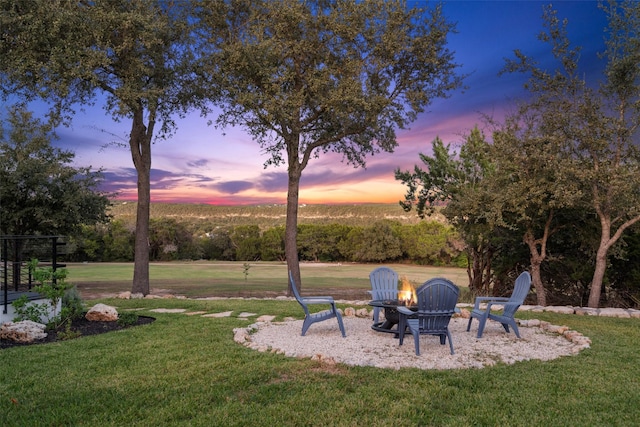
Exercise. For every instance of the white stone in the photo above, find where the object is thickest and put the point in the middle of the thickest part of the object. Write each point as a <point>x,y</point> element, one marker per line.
<point>614,312</point>
<point>25,331</point>
<point>349,311</point>
<point>560,309</point>
<point>102,313</point>
<point>168,310</point>
<point>244,314</point>
<point>223,314</point>
<point>363,312</point>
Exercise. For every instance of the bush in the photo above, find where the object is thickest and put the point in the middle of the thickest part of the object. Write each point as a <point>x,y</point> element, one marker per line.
<point>127,318</point>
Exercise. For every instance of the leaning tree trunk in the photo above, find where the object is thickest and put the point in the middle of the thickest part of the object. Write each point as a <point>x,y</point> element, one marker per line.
<point>291,229</point>
<point>140,144</point>
<point>536,259</point>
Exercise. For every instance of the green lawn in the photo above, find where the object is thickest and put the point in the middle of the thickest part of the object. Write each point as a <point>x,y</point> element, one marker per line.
<point>186,370</point>
<point>200,279</point>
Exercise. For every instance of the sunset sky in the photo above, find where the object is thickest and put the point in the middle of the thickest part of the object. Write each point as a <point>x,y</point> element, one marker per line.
<point>202,164</point>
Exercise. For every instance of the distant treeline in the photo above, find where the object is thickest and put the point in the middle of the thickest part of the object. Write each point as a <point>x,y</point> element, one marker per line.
<point>426,242</point>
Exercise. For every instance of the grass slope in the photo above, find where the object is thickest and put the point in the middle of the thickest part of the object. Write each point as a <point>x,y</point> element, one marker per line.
<point>186,370</point>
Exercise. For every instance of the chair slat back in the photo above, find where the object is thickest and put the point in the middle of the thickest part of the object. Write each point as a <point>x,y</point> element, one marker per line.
<point>384,284</point>
<point>437,299</point>
<point>520,292</point>
<point>296,294</point>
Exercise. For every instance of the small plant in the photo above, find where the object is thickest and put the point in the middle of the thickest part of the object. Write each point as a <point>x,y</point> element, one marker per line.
<point>245,270</point>
<point>68,333</point>
<point>72,301</point>
<point>26,310</point>
<point>127,318</point>
<point>52,286</point>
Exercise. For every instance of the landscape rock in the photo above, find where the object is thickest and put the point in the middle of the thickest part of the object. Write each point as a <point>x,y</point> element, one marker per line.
<point>363,312</point>
<point>614,312</point>
<point>124,295</point>
<point>24,332</point>
<point>464,314</point>
<point>560,310</point>
<point>349,311</point>
<point>102,313</point>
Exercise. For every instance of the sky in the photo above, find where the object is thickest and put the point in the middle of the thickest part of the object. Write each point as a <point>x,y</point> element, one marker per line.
<point>203,164</point>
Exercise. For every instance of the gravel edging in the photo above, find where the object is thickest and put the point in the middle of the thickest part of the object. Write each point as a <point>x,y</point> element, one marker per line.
<point>366,347</point>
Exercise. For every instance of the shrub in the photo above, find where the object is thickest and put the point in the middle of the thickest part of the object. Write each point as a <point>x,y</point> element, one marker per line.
<point>127,318</point>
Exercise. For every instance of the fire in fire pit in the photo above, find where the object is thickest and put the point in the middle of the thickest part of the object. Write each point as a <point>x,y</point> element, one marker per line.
<point>407,293</point>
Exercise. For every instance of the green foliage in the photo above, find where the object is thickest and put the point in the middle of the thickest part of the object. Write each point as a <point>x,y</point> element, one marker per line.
<point>245,270</point>
<point>26,310</point>
<point>68,333</point>
<point>127,318</point>
<point>272,246</point>
<point>52,286</point>
<point>72,304</point>
<point>170,240</point>
<point>427,242</point>
<point>40,190</point>
<point>246,242</point>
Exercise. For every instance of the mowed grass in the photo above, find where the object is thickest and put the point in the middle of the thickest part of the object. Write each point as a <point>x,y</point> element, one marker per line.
<point>186,370</point>
<point>202,279</point>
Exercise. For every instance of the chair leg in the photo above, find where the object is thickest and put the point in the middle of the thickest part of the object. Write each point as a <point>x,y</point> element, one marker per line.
<point>340,324</point>
<point>514,326</point>
<point>376,315</point>
<point>469,324</point>
<point>482,321</point>
<point>450,342</point>
<point>402,326</point>
<point>305,325</point>
<point>416,341</point>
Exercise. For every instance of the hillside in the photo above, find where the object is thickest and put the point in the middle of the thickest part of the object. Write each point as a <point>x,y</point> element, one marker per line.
<point>270,215</point>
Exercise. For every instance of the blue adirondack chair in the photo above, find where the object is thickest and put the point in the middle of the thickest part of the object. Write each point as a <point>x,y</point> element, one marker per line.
<point>510,306</point>
<point>384,286</point>
<point>311,318</point>
<point>437,299</point>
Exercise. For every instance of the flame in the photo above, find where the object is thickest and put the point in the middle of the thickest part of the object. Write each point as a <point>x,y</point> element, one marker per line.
<point>407,293</point>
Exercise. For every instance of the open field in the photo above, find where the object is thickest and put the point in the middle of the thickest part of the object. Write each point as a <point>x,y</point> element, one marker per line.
<point>187,370</point>
<point>264,279</point>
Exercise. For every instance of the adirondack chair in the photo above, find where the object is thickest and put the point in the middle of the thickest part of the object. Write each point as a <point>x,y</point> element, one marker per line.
<point>510,306</point>
<point>437,300</point>
<point>384,286</point>
<point>311,318</point>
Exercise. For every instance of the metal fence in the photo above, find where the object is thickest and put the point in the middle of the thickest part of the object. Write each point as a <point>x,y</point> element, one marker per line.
<point>15,254</point>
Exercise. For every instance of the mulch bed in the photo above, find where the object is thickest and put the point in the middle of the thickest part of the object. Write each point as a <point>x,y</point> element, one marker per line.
<point>84,327</point>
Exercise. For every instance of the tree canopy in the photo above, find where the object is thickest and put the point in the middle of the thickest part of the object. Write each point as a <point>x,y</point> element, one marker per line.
<point>569,151</point>
<point>314,77</point>
<point>41,193</point>
<point>135,57</point>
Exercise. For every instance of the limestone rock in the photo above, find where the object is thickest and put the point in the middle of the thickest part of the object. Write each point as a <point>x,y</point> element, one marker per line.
<point>102,313</point>
<point>363,312</point>
<point>464,314</point>
<point>560,310</point>
<point>124,295</point>
<point>24,332</point>
<point>349,311</point>
<point>614,312</point>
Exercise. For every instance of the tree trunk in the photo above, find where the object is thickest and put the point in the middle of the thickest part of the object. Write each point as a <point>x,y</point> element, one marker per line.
<point>536,259</point>
<point>598,277</point>
<point>291,230</point>
<point>140,144</point>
